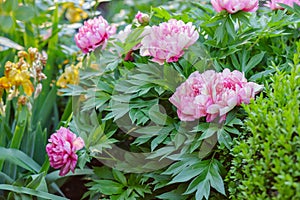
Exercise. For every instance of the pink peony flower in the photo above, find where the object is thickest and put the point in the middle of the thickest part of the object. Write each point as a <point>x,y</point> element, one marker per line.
<point>94,33</point>
<point>142,18</point>
<point>62,150</point>
<point>212,94</point>
<point>274,4</point>
<point>167,41</point>
<point>233,6</point>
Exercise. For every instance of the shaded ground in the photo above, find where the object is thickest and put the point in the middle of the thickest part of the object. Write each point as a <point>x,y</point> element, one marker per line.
<point>74,188</point>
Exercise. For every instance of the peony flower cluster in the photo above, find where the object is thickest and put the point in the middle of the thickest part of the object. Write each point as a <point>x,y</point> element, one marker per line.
<point>233,6</point>
<point>167,41</point>
<point>274,4</point>
<point>212,95</point>
<point>62,148</point>
<point>94,33</point>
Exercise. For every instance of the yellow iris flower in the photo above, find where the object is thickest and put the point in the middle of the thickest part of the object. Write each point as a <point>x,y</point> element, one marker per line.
<point>70,76</point>
<point>73,13</point>
<point>18,75</point>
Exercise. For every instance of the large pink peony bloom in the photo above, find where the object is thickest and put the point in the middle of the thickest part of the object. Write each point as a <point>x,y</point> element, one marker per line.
<point>212,94</point>
<point>94,33</point>
<point>274,4</point>
<point>62,150</point>
<point>167,41</point>
<point>233,6</point>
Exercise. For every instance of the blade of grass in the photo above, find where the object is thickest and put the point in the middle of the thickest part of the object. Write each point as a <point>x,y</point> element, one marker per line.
<point>4,122</point>
<point>6,178</point>
<point>19,158</point>
<point>29,37</point>
<point>67,113</point>
<point>44,111</point>
<point>39,145</point>
<point>20,128</point>
<point>17,138</point>
<point>32,192</point>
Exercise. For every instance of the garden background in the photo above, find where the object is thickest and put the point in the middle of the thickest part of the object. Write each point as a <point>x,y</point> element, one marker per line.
<point>141,99</point>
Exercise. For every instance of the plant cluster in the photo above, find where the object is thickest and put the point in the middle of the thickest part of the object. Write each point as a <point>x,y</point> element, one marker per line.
<point>266,160</point>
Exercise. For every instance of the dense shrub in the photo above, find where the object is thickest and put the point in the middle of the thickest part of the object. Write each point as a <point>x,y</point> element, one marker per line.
<point>266,165</point>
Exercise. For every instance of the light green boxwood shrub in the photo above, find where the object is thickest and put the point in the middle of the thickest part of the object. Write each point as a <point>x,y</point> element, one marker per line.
<point>266,163</point>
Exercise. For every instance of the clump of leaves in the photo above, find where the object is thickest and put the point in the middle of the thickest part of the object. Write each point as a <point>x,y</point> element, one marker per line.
<point>113,184</point>
<point>266,165</point>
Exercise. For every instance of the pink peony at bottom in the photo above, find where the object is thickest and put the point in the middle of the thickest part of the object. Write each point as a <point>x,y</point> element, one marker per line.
<point>212,95</point>
<point>62,148</point>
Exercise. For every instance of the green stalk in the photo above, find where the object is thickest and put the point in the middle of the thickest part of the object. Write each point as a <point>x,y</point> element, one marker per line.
<point>20,128</point>
<point>29,37</point>
<point>67,113</point>
<point>18,134</point>
<point>5,121</point>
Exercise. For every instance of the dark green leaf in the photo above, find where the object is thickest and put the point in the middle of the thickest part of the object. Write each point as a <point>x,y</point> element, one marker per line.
<point>230,28</point>
<point>103,172</point>
<point>201,127</point>
<point>216,180</point>
<point>119,176</point>
<point>109,187</point>
<point>190,172</point>
<point>255,60</point>
<point>209,132</point>
<point>36,181</point>
<point>157,116</point>
<point>174,194</point>
<point>224,138</point>
<point>203,190</point>
<point>159,139</point>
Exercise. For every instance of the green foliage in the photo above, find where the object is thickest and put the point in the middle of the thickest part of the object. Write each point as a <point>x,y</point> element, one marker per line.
<point>266,160</point>
<point>134,113</point>
<point>204,175</point>
<point>121,106</point>
<point>113,184</point>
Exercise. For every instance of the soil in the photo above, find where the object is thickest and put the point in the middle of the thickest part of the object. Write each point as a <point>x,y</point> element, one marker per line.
<point>74,188</point>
